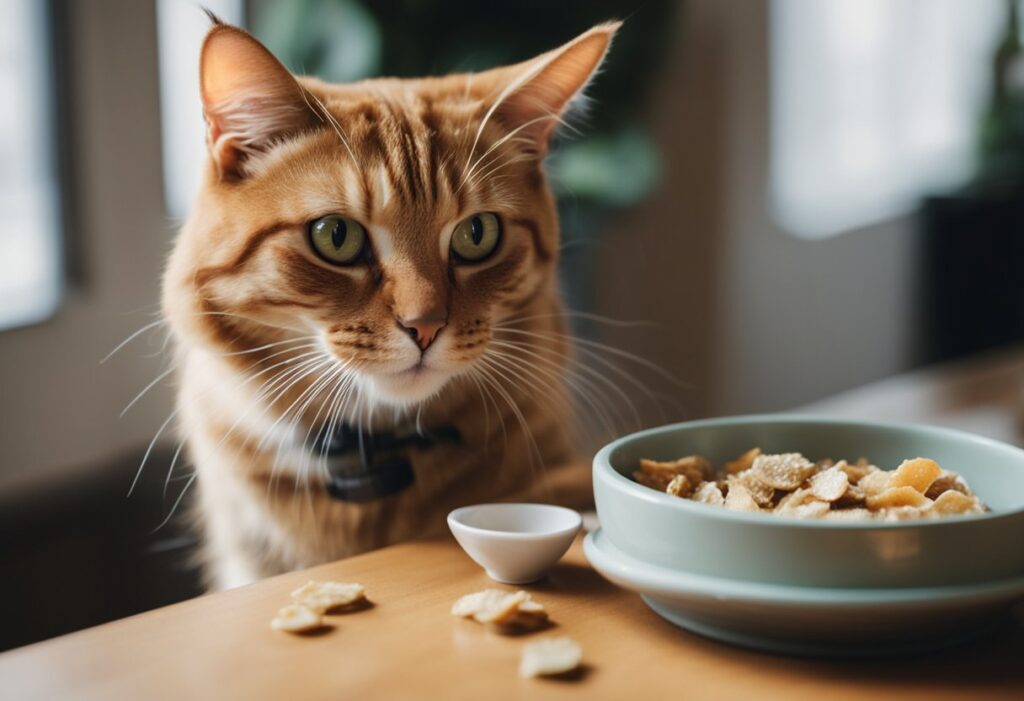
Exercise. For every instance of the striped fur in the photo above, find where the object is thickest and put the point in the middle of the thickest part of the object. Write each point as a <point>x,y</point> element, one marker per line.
<point>273,342</point>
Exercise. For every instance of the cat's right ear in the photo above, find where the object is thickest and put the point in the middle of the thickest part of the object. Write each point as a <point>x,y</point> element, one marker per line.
<point>249,98</point>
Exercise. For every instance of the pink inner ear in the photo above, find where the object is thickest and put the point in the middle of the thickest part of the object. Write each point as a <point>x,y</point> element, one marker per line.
<point>541,90</point>
<point>249,98</point>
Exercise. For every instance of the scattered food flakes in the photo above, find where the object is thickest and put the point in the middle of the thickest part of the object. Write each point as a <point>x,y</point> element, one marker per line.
<point>501,609</point>
<point>550,656</point>
<point>828,485</point>
<point>296,618</point>
<point>918,473</point>
<point>324,596</point>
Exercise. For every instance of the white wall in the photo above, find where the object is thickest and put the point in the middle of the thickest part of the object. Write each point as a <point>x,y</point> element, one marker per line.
<point>750,318</point>
<point>753,319</point>
<point>58,405</point>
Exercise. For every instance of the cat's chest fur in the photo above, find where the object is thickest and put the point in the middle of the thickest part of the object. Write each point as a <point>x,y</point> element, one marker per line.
<point>359,249</point>
<point>262,486</point>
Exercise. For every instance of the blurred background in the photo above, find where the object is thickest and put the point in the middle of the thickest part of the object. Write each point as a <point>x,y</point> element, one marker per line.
<point>816,205</point>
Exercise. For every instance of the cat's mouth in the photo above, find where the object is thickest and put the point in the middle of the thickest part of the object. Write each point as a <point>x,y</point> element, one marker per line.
<point>412,385</point>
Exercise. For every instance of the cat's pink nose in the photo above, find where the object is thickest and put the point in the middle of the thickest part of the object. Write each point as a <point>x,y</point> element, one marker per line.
<point>423,329</point>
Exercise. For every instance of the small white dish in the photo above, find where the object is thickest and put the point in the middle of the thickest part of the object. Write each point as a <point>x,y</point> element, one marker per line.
<point>514,543</point>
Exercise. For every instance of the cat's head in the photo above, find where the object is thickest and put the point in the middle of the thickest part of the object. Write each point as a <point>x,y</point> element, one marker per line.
<point>391,222</point>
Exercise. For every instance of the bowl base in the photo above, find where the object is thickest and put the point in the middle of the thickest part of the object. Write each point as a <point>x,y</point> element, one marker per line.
<point>836,649</point>
<point>507,580</point>
<point>810,621</point>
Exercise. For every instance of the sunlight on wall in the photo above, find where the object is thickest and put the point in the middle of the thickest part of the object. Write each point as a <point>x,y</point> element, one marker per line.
<point>181,26</point>
<point>874,103</point>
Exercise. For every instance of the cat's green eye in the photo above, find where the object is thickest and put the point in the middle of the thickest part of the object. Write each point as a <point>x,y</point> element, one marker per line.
<point>476,238</point>
<point>338,240</point>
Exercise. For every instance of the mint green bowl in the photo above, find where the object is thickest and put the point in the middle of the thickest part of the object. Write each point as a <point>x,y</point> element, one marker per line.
<point>808,587</point>
<point>709,540</point>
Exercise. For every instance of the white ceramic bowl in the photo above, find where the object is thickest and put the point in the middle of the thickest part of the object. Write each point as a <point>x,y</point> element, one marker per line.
<point>514,543</point>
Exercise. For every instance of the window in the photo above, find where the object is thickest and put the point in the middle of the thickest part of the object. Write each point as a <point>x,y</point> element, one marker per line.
<point>181,26</point>
<point>874,103</point>
<point>31,262</point>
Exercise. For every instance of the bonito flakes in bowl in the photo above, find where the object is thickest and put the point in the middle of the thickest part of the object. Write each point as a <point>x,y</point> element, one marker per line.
<point>815,552</point>
<point>788,484</point>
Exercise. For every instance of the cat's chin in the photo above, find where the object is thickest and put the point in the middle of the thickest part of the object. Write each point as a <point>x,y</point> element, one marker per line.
<point>402,389</point>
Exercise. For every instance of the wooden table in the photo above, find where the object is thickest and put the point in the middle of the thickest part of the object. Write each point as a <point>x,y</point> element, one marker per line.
<point>408,646</point>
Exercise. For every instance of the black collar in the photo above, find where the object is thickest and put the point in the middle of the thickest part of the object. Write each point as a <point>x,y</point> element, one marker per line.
<point>364,465</point>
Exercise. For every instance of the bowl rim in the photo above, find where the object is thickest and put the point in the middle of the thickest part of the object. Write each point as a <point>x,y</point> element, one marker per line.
<point>643,576</point>
<point>603,463</point>
<point>455,514</point>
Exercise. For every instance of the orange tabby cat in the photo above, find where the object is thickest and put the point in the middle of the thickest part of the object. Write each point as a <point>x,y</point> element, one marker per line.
<point>365,305</point>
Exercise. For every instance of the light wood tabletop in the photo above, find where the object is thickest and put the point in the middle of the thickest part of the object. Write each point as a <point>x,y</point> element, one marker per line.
<point>408,646</point>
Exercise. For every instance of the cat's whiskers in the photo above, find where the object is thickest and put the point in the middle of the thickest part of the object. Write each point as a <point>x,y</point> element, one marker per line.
<point>351,390</point>
<point>541,379</point>
<point>297,370</point>
<point>486,398</point>
<point>177,502</point>
<point>579,355</point>
<point>325,115</point>
<point>170,470</point>
<point>590,345</point>
<point>589,351</point>
<point>246,380</point>
<point>499,165</point>
<point>339,383</point>
<point>594,398</point>
<point>148,387</point>
<point>287,432</point>
<point>589,316</point>
<point>131,337</point>
<point>511,135</point>
<point>336,370</point>
<point>174,367</point>
<point>478,375</point>
<point>494,372</point>
<point>332,377</point>
<point>149,449</point>
<point>251,320</point>
<point>320,363</point>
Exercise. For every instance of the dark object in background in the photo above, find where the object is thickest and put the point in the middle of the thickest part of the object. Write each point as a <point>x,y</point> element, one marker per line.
<point>973,251</point>
<point>1001,127</point>
<point>973,240</point>
<point>82,553</point>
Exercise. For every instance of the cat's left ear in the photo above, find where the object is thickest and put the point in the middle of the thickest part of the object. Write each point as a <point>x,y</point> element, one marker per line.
<point>535,95</point>
<point>250,100</point>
